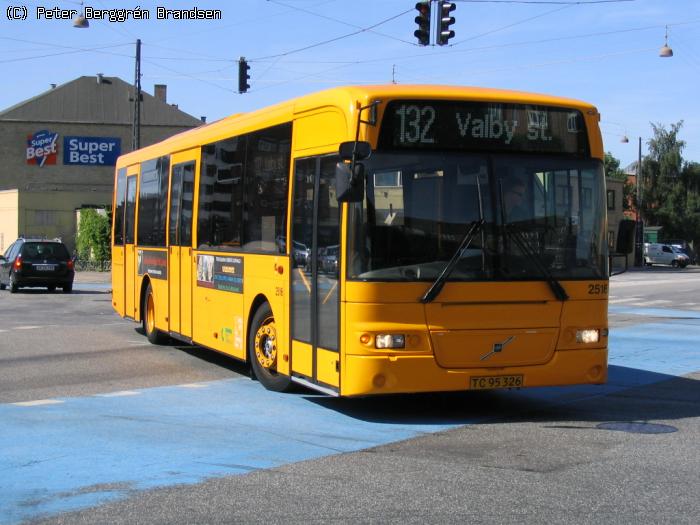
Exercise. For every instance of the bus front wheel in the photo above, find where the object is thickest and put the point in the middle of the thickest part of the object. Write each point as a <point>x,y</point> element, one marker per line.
<point>264,350</point>
<point>148,315</point>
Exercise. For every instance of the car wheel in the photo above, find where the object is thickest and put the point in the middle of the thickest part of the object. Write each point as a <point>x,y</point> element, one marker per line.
<point>263,351</point>
<point>674,264</point>
<point>68,288</point>
<point>51,288</point>
<point>2,286</point>
<point>13,284</point>
<point>148,315</point>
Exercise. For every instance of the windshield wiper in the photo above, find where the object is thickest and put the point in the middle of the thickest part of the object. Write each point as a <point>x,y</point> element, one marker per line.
<point>526,248</point>
<point>437,286</point>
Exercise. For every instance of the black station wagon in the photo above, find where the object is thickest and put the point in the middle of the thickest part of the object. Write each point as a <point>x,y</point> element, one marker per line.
<point>36,263</point>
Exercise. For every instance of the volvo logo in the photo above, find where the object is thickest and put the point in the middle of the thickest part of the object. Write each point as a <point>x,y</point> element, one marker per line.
<point>497,348</point>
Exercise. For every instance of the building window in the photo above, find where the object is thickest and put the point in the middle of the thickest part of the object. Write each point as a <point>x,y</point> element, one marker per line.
<point>611,199</point>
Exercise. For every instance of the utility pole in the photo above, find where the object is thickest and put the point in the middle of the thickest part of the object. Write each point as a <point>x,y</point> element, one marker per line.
<point>136,125</point>
<point>639,248</point>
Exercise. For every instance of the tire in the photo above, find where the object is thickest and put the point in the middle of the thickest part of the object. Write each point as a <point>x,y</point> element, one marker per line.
<point>148,319</point>
<point>2,286</point>
<point>263,351</point>
<point>674,264</point>
<point>51,288</point>
<point>13,284</point>
<point>68,288</point>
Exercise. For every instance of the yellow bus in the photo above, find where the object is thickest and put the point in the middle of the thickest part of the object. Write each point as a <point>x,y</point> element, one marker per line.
<point>375,240</point>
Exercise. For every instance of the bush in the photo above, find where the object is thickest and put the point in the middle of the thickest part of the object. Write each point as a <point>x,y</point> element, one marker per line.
<point>93,240</point>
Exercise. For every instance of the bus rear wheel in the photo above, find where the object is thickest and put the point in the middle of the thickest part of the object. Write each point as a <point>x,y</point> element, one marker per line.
<point>264,351</point>
<point>148,315</point>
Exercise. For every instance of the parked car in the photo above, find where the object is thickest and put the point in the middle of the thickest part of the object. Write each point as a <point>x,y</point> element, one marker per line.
<point>36,263</point>
<point>301,254</point>
<point>656,253</point>
<point>328,260</point>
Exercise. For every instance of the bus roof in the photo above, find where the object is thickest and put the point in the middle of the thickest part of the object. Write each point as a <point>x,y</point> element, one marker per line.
<point>344,98</point>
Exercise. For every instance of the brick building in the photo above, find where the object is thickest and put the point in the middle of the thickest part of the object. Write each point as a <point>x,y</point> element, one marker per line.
<point>58,150</point>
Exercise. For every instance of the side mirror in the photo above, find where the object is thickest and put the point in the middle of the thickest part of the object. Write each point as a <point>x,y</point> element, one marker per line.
<point>360,150</point>
<point>349,186</point>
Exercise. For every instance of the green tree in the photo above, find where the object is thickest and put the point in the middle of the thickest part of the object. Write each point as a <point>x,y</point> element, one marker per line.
<point>671,186</point>
<point>93,240</point>
<point>612,167</point>
<point>613,170</point>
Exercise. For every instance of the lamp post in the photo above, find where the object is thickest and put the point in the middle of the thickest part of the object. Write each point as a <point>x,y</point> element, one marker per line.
<point>639,230</point>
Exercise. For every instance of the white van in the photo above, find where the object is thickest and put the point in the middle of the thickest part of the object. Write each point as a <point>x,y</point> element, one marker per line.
<point>656,253</point>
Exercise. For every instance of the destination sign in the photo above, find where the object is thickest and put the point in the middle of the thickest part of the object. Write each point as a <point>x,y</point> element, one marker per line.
<point>481,126</point>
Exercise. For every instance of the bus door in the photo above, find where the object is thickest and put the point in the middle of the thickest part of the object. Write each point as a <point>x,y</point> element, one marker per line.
<point>118,243</point>
<point>130,305</point>
<point>180,246</point>
<point>315,256</point>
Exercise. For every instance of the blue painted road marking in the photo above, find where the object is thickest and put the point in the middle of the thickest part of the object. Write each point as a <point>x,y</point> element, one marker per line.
<point>85,451</point>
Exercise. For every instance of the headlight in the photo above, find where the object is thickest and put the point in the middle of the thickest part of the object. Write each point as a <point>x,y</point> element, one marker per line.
<point>587,336</point>
<point>390,341</point>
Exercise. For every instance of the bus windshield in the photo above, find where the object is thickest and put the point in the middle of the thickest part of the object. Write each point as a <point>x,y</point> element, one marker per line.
<point>541,215</point>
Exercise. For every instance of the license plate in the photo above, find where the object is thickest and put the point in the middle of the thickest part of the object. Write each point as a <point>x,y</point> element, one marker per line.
<point>44,267</point>
<point>489,382</point>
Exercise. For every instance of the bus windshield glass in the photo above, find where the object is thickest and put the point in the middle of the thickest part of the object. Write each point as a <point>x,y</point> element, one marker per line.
<point>541,215</point>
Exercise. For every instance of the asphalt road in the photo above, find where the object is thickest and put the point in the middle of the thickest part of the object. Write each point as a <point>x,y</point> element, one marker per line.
<point>144,434</point>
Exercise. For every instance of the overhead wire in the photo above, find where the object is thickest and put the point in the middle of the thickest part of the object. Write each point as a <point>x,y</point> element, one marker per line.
<point>344,22</point>
<point>336,39</point>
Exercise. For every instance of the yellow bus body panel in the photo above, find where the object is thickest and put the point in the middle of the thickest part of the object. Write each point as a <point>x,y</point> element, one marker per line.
<point>302,359</point>
<point>327,367</point>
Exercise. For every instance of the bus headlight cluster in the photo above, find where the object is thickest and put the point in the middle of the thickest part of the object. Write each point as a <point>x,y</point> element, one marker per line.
<point>390,341</point>
<point>588,336</point>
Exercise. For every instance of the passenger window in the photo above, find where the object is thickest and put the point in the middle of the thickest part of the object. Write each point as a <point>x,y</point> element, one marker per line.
<point>243,191</point>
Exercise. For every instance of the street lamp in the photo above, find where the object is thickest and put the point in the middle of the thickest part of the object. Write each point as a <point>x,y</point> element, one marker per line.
<point>80,21</point>
<point>665,51</point>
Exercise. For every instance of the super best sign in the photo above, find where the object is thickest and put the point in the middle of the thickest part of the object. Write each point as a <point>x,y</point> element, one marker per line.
<point>41,148</point>
<point>91,151</point>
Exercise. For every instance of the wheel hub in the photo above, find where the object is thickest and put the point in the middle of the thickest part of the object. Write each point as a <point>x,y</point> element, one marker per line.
<point>266,344</point>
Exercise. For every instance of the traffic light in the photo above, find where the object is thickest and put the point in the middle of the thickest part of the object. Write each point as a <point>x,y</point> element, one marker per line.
<point>423,21</point>
<point>243,76</point>
<point>446,20</point>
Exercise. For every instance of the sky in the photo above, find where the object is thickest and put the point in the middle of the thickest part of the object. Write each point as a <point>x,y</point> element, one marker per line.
<point>605,52</point>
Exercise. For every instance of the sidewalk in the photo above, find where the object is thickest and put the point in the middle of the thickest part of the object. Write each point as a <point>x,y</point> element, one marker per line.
<point>93,277</point>
<point>661,269</point>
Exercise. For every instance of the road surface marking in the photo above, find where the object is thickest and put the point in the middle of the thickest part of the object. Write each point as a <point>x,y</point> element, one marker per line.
<point>38,402</point>
<point>121,393</point>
